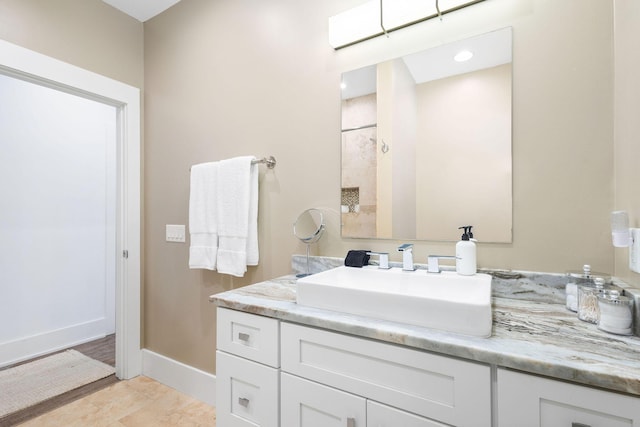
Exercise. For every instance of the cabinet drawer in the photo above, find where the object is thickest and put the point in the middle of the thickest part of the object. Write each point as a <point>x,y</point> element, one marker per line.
<point>379,415</point>
<point>448,390</point>
<point>246,393</point>
<point>527,401</point>
<point>250,336</point>
<point>308,404</point>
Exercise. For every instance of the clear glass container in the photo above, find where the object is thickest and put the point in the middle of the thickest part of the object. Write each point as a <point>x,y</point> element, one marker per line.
<point>588,310</point>
<point>571,292</point>
<point>571,288</point>
<point>616,313</point>
<point>576,279</point>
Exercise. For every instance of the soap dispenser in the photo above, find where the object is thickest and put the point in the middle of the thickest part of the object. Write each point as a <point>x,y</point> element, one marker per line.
<point>466,253</point>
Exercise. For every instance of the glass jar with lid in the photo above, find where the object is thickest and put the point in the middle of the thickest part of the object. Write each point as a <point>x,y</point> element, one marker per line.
<point>588,310</point>
<point>616,313</point>
<point>579,278</point>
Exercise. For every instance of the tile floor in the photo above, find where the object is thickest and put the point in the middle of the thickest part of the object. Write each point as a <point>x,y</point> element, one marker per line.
<point>140,401</point>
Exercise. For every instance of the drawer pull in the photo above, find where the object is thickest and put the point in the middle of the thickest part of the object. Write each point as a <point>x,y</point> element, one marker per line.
<point>243,337</point>
<point>243,401</point>
<point>579,425</point>
<point>351,422</point>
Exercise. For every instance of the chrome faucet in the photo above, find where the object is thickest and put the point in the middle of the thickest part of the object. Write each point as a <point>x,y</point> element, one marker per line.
<point>383,259</point>
<point>432,262</point>
<point>407,256</point>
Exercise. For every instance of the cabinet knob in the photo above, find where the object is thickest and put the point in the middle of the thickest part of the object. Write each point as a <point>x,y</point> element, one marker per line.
<point>243,336</point>
<point>243,401</point>
<point>579,425</point>
<point>351,422</point>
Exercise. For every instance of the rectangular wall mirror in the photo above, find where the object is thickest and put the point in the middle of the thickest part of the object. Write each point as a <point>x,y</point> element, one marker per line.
<point>426,144</point>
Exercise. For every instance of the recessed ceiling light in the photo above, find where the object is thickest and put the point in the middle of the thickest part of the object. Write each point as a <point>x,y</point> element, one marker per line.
<point>343,85</point>
<point>463,55</point>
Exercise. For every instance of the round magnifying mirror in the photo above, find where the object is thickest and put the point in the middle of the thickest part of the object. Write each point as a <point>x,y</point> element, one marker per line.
<point>308,228</point>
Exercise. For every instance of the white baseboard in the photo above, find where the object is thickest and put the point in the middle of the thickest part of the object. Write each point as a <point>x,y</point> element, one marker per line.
<point>36,345</point>
<point>184,378</point>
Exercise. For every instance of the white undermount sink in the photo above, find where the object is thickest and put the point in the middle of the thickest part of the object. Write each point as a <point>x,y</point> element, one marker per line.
<point>445,301</point>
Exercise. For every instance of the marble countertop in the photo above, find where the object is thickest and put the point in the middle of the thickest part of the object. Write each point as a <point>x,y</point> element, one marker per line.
<point>539,336</point>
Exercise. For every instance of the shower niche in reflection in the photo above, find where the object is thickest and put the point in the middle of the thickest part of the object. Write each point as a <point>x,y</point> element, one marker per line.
<point>359,166</point>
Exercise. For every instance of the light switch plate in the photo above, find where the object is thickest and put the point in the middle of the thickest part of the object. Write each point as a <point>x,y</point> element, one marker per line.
<point>175,233</point>
<point>634,250</point>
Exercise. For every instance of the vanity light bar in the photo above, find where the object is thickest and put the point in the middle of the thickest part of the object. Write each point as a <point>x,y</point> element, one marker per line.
<point>377,17</point>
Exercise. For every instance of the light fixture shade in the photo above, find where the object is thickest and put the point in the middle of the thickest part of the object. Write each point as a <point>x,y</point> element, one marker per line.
<point>620,233</point>
<point>397,13</point>
<point>354,25</point>
<point>363,22</point>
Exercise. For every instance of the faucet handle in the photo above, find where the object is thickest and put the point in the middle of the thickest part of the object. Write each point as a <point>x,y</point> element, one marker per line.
<point>433,265</point>
<point>405,247</point>
<point>383,259</point>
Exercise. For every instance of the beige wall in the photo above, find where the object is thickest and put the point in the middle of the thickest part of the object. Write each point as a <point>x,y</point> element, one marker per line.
<point>86,33</point>
<point>227,78</point>
<point>464,156</point>
<point>627,123</point>
<point>403,138</point>
<point>232,77</point>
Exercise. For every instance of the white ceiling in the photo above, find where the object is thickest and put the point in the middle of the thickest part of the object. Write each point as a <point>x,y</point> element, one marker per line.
<point>142,10</point>
<point>489,50</point>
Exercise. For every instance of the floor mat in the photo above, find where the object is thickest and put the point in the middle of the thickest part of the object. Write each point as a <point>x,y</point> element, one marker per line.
<point>25,385</point>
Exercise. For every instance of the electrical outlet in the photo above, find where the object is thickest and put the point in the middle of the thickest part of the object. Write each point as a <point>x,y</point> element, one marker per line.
<point>634,250</point>
<point>175,233</point>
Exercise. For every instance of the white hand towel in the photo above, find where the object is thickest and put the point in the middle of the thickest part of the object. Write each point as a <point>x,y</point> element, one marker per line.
<point>203,224</point>
<point>235,202</point>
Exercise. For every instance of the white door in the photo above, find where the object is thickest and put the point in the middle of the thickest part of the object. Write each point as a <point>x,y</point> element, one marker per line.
<point>308,404</point>
<point>531,401</point>
<point>57,219</point>
<point>246,393</point>
<point>379,415</point>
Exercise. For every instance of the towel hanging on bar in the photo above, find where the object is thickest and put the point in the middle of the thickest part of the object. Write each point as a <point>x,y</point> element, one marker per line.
<point>269,161</point>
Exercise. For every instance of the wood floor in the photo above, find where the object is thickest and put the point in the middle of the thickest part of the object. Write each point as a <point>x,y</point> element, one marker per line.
<point>103,350</point>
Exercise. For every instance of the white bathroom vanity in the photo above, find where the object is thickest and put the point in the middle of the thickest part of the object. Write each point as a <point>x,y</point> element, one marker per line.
<point>282,364</point>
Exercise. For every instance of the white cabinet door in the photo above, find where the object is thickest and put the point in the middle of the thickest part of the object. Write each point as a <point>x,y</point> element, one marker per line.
<point>246,393</point>
<point>529,401</point>
<point>379,415</point>
<point>308,404</point>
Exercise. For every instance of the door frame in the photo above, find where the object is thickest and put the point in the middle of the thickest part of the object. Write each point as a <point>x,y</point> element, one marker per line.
<point>28,65</point>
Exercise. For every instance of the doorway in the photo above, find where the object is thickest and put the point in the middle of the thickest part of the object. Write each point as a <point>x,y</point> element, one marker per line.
<point>57,221</point>
<point>124,102</point>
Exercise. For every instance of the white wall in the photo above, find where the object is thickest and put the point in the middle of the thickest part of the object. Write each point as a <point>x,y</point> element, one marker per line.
<point>57,219</point>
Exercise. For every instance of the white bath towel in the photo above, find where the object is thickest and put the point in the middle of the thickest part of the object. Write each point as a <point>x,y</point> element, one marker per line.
<point>203,223</point>
<point>237,212</point>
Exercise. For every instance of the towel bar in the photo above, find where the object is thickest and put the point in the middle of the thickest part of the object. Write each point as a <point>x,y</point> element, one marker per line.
<point>270,162</point>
